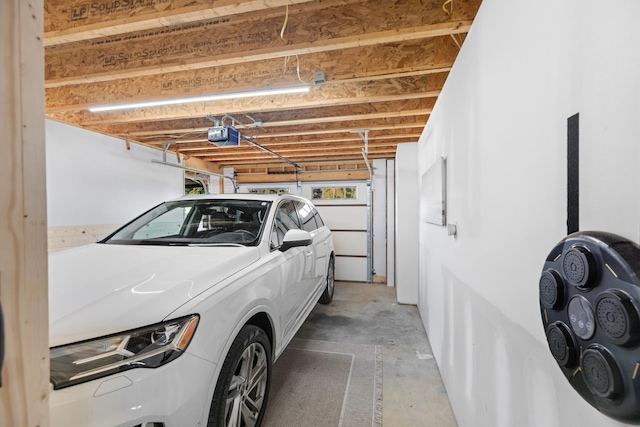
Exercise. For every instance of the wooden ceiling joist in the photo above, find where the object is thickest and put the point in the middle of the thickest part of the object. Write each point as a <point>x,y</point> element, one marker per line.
<point>331,117</point>
<point>320,96</point>
<point>402,59</point>
<point>325,30</point>
<point>271,141</point>
<point>67,22</point>
<point>384,63</point>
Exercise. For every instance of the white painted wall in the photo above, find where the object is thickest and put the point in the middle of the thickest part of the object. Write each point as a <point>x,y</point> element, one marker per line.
<point>379,217</point>
<point>391,223</point>
<point>501,124</point>
<point>93,178</point>
<point>407,217</point>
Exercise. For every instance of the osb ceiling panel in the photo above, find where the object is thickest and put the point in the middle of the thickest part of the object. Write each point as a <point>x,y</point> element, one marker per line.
<point>385,64</point>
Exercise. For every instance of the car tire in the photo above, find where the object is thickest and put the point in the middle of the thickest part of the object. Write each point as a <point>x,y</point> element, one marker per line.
<point>240,396</point>
<point>327,295</point>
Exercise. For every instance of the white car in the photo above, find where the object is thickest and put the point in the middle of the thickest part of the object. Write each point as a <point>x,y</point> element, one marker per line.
<point>176,318</point>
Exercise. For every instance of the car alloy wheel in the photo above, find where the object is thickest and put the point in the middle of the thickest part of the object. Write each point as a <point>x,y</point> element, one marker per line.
<point>240,398</point>
<point>327,295</point>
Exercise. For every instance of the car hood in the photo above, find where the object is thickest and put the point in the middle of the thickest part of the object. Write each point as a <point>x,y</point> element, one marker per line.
<point>101,289</point>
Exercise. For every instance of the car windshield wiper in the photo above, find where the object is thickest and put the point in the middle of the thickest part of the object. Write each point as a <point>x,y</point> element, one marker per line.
<point>161,242</point>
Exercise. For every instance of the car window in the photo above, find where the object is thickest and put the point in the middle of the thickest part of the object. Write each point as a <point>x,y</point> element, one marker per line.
<point>285,220</point>
<point>318,218</point>
<point>201,221</point>
<point>165,225</point>
<point>306,216</point>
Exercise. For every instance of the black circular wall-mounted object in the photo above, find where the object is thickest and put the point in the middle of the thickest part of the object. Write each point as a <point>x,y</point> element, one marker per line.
<point>589,295</point>
<point>551,289</point>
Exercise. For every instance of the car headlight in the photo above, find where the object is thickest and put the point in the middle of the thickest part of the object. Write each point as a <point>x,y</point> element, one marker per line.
<point>148,347</point>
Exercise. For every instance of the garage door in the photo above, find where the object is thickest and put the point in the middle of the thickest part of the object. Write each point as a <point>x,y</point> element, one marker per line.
<point>348,220</point>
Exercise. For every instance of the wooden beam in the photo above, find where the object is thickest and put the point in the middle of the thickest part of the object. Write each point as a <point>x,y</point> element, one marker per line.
<point>390,154</point>
<point>215,155</point>
<point>274,142</point>
<point>409,58</point>
<point>199,164</point>
<point>296,154</point>
<point>320,96</point>
<point>325,30</point>
<point>412,128</point>
<point>359,175</point>
<point>329,116</point>
<point>67,22</point>
<point>24,396</point>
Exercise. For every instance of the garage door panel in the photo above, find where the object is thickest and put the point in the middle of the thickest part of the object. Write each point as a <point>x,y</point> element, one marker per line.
<point>351,269</point>
<point>347,217</point>
<point>350,242</point>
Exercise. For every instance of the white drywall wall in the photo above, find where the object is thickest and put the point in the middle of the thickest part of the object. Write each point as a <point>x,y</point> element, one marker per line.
<point>407,218</point>
<point>501,124</point>
<point>94,179</point>
<point>379,216</point>
<point>391,223</point>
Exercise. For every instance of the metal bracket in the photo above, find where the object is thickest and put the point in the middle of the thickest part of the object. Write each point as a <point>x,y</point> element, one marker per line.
<point>364,135</point>
<point>165,148</point>
<point>233,182</point>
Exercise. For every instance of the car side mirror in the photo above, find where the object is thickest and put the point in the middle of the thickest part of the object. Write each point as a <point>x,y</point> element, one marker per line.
<point>295,238</point>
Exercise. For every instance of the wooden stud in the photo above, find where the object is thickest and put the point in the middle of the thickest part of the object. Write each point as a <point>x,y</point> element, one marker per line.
<point>24,396</point>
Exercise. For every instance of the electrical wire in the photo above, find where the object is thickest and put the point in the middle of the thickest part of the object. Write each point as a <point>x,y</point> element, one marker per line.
<point>286,58</point>
<point>444,7</point>
<point>298,69</point>
<point>286,19</point>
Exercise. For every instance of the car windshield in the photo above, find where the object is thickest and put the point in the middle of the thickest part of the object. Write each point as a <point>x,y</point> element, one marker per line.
<point>196,222</point>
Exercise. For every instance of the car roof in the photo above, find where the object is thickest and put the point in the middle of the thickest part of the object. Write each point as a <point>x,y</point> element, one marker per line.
<point>241,196</point>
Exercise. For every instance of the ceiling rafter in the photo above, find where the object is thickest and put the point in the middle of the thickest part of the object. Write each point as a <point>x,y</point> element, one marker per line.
<point>385,64</point>
<point>67,22</point>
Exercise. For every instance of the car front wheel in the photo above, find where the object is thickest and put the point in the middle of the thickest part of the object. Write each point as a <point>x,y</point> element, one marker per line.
<point>327,295</point>
<point>240,396</point>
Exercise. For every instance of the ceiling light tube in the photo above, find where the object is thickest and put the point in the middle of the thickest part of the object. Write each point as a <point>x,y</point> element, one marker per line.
<point>204,98</point>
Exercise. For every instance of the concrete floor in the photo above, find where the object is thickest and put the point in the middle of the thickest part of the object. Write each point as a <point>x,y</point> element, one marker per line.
<point>413,393</point>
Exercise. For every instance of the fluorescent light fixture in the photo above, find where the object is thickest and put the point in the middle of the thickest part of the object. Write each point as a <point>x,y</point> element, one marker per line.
<point>204,98</point>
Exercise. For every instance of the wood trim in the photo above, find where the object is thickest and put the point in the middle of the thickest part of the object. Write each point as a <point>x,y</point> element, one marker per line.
<point>65,237</point>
